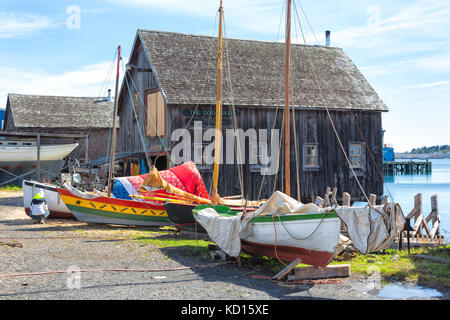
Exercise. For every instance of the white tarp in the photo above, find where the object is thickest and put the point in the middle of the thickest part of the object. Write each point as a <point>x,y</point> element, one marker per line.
<point>223,230</point>
<point>372,229</point>
<point>227,231</point>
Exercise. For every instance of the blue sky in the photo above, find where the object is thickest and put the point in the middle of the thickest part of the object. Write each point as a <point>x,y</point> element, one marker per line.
<point>402,47</point>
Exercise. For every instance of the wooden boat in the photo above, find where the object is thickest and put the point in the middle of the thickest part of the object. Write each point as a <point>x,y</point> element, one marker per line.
<point>181,217</point>
<point>180,214</point>
<point>282,237</point>
<point>310,236</point>
<point>16,152</point>
<point>108,210</point>
<point>57,208</point>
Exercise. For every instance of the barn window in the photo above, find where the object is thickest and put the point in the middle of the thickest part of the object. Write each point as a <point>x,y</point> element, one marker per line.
<point>156,119</point>
<point>310,156</point>
<point>356,155</point>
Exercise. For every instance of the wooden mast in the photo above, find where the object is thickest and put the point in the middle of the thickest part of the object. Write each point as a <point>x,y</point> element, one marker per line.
<point>218,134</point>
<point>113,140</point>
<point>287,121</point>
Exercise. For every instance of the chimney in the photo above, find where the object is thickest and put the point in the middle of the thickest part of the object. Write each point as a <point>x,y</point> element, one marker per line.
<point>327,38</point>
<point>109,95</point>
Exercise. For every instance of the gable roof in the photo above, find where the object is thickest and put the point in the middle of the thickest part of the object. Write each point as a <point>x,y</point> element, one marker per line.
<point>60,112</point>
<point>185,69</point>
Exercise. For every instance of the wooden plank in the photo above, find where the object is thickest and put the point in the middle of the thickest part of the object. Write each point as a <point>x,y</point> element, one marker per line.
<point>42,134</point>
<point>160,115</point>
<point>280,275</point>
<point>310,273</point>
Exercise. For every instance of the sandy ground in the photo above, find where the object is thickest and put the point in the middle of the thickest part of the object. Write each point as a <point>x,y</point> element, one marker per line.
<point>66,244</point>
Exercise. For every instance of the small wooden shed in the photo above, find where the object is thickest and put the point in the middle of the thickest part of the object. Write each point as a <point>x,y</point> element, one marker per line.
<point>89,116</point>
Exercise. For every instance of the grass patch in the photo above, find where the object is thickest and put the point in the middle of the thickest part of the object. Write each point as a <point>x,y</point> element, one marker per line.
<point>10,188</point>
<point>399,265</point>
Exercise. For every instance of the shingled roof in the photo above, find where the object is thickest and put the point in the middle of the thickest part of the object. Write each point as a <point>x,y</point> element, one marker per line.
<point>185,68</point>
<point>30,111</point>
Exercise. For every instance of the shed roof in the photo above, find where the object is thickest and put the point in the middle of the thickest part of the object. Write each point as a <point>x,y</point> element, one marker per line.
<point>185,68</point>
<point>30,111</point>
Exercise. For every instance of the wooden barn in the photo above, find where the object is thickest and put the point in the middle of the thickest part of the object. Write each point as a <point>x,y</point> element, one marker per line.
<point>89,117</point>
<point>171,84</point>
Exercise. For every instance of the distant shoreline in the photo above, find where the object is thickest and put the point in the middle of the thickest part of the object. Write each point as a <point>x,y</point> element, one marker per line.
<point>421,156</point>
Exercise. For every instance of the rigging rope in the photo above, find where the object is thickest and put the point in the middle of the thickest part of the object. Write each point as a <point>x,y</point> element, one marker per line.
<point>351,112</point>
<point>328,111</point>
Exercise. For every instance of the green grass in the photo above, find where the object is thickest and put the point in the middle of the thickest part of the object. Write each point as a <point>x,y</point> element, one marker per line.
<point>399,265</point>
<point>10,188</point>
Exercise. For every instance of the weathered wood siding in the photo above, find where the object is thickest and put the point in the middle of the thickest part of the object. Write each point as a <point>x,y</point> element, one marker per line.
<point>129,134</point>
<point>312,126</point>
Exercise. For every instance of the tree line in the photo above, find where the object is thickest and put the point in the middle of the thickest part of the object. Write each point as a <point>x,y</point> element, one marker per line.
<point>432,149</point>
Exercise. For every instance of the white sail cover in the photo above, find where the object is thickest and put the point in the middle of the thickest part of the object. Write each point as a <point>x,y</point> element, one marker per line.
<point>372,229</point>
<point>223,230</point>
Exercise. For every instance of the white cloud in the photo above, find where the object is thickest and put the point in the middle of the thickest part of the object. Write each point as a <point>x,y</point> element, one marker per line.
<point>13,25</point>
<point>89,81</point>
<point>259,16</point>
<point>428,85</point>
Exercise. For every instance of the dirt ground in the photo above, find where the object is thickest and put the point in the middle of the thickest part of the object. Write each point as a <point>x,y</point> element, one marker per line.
<point>65,245</point>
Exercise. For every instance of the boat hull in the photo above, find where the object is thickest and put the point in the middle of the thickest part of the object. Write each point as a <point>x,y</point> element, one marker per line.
<point>181,217</point>
<point>57,208</point>
<point>310,237</point>
<point>105,210</point>
<point>11,154</point>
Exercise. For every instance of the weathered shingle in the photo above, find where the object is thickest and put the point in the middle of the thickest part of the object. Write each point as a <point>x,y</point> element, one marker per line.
<point>185,67</point>
<point>60,112</point>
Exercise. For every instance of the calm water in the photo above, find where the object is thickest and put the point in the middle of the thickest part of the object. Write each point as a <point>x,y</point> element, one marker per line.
<point>403,188</point>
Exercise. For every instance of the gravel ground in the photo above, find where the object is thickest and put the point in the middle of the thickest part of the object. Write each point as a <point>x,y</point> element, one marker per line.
<point>49,254</point>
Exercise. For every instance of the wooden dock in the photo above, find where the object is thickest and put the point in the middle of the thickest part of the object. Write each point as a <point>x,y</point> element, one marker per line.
<point>406,167</point>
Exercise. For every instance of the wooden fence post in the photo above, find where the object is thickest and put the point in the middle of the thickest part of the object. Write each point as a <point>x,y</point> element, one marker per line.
<point>372,199</point>
<point>346,199</point>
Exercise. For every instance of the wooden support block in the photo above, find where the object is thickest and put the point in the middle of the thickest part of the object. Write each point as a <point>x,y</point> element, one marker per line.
<point>310,273</point>
<point>280,275</point>
<point>373,199</point>
<point>346,199</point>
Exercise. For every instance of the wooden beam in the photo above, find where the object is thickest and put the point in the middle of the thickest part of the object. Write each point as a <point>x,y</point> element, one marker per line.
<point>24,134</point>
<point>310,273</point>
<point>280,275</point>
